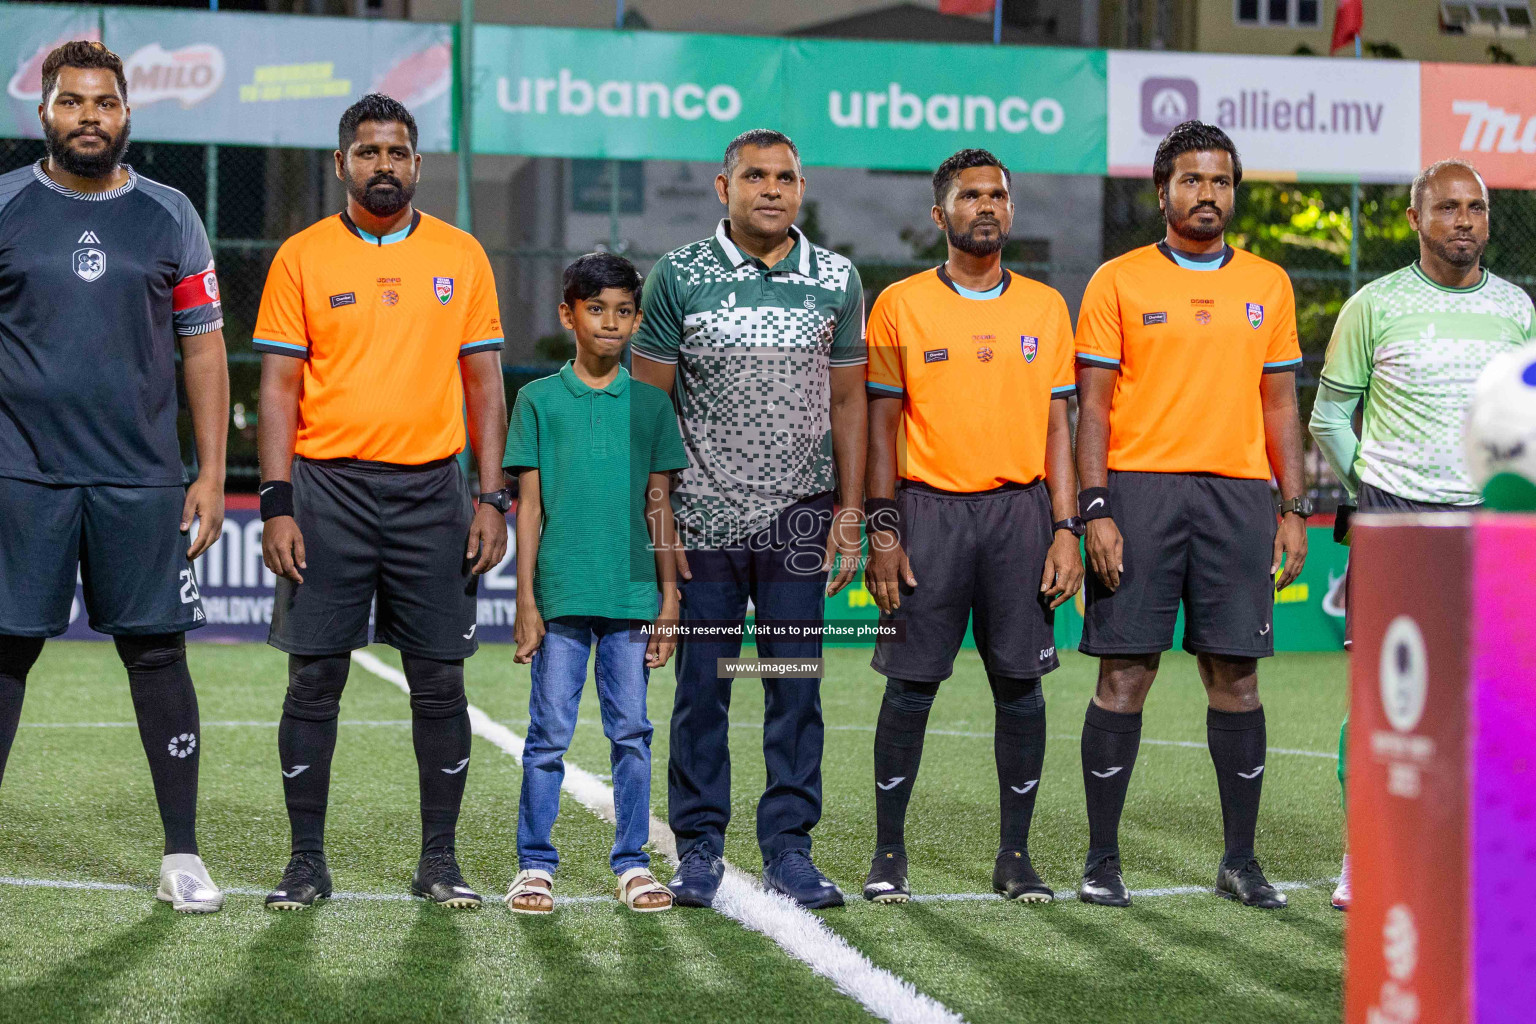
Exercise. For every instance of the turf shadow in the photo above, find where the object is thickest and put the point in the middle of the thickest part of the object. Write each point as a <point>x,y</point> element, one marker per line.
<point>81,987</point>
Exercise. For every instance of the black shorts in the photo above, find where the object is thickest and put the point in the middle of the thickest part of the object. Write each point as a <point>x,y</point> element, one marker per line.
<point>1374,501</point>
<point>125,542</point>
<point>397,533</point>
<point>1207,541</point>
<point>975,554</point>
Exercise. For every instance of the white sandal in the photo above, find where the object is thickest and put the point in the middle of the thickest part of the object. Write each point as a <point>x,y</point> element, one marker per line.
<point>628,896</point>
<point>523,885</point>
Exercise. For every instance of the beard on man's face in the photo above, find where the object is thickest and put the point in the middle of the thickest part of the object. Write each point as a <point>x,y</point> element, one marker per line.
<point>967,242</point>
<point>94,164</point>
<point>1461,257</point>
<point>382,195</point>
<point>1185,226</point>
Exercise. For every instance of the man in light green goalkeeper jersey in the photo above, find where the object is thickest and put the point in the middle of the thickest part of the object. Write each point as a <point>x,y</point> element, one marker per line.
<point>1411,346</point>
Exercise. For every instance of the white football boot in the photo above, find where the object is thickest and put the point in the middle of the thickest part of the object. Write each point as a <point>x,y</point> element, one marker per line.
<point>185,885</point>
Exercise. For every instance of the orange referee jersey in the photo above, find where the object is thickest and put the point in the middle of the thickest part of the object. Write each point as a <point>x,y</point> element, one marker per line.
<point>975,376</point>
<point>380,324</point>
<point>1191,346</point>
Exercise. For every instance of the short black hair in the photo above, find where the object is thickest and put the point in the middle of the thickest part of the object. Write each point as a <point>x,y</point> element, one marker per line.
<point>950,169</point>
<point>757,137</point>
<point>590,274</point>
<point>1190,137</point>
<point>373,107</point>
<point>82,53</point>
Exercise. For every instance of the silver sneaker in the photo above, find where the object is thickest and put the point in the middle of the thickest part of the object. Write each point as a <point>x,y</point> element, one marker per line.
<point>185,885</point>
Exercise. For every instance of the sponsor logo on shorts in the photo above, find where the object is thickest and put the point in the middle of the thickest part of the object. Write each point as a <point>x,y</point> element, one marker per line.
<point>1148,319</point>
<point>344,299</point>
<point>936,355</point>
<point>1047,652</point>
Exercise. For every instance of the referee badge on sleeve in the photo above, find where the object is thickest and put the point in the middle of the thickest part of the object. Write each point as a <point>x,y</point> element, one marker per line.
<point>1255,315</point>
<point>442,287</point>
<point>1029,345</point>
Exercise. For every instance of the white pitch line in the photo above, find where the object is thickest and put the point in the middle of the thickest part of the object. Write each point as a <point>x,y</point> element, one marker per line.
<point>1071,894</point>
<point>590,722</point>
<point>205,725</point>
<point>796,930</point>
<point>379,897</point>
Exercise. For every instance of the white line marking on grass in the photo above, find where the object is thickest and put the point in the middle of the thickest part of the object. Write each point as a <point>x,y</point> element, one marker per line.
<point>378,897</point>
<point>796,930</point>
<point>1071,894</point>
<point>205,725</point>
<point>593,722</point>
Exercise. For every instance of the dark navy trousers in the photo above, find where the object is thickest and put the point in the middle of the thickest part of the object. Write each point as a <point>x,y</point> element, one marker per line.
<point>779,568</point>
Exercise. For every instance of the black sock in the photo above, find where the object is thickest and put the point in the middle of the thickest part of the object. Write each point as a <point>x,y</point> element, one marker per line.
<point>306,740</point>
<point>166,707</point>
<point>1110,742</point>
<point>17,656</point>
<point>1238,741</point>
<point>1019,746</point>
<point>898,753</point>
<point>442,764</point>
<point>440,732</point>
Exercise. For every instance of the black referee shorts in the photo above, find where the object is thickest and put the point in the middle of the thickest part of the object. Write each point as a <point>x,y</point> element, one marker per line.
<point>978,554</point>
<point>1207,541</point>
<point>376,530</point>
<point>125,542</point>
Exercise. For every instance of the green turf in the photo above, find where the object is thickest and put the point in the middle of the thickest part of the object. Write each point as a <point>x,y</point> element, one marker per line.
<point>76,803</point>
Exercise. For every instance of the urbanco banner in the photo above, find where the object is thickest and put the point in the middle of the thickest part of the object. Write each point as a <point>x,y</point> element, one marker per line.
<point>1291,117</point>
<point>658,95</point>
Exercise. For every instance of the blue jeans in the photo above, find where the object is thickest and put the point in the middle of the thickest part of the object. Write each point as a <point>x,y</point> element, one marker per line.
<point>559,673</point>
<point>779,568</point>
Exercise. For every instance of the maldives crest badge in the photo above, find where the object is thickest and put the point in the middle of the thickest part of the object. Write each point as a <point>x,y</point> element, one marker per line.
<point>442,287</point>
<point>1029,345</point>
<point>1255,315</point>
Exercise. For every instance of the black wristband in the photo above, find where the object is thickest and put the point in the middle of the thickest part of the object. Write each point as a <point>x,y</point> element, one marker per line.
<point>882,515</point>
<point>1093,503</point>
<point>276,499</point>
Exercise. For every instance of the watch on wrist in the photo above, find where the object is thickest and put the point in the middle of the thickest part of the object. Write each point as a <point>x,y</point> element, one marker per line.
<point>1302,506</point>
<point>1074,524</point>
<point>500,500</point>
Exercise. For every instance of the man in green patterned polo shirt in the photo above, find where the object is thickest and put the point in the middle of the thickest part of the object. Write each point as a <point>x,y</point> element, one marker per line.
<point>1411,346</point>
<point>762,332</point>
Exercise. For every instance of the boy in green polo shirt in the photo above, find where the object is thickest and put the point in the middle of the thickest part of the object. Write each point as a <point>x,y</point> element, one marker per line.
<point>592,449</point>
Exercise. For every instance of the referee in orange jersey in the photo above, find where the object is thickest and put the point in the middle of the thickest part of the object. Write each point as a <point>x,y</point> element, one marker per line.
<point>970,370</point>
<point>1187,359</point>
<point>378,327</point>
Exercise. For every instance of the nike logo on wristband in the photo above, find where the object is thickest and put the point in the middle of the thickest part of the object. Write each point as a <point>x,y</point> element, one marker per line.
<point>265,489</point>
<point>1095,503</point>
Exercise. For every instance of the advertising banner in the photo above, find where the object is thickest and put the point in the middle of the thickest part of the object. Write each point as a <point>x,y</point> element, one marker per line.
<point>1291,117</point>
<point>911,105</point>
<point>1484,115</point>
<point>255,79</point>
<point>1407,785</point>
<point>27,35</point>
<point>658,95</point>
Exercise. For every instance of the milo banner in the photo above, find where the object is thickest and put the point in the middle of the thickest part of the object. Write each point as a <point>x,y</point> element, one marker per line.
<point>658,95</point>
<point>27,35</point>
<point>261,80</point>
